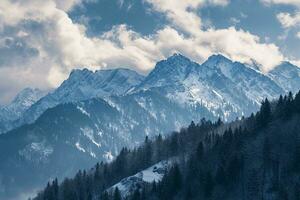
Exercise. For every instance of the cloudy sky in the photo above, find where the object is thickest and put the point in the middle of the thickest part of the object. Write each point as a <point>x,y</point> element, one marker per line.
<point>42,41</point>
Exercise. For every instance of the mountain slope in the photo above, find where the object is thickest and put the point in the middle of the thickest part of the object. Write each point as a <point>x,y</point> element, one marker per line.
<point>20,103</point>
<point>82,85</point>
<point>228,89</point>
<point>287,75</point>
<point>253,83</point>
<point>253,158</point>
<point>23,101</point>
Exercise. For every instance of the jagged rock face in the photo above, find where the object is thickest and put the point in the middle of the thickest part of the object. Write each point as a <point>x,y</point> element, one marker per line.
<point>13,111</point>
<point>287,76</point>
<point>20,103</point>
<point>85,84</point>
<point>228,89</point>
<point>81,85</point>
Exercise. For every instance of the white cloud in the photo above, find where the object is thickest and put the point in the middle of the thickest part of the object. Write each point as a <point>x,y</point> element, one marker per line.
<point>234,20</point>
<point>182,13</point>
<point>287,2</point>
<point>63,44</point>
<point>288,20</point>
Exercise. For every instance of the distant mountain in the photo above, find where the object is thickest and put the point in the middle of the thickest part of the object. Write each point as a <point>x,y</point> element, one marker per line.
<point>287,76</point>
<point>228,89</point>
<point>82,85</point>
<point>20,103</point>
<point>23,100</point>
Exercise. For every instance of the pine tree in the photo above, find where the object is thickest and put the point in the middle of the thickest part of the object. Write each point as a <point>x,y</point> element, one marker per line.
<point>280,107</point>
<point>221,176</point>
<point>55,189</point>
<point>117,194</point>
<point>289,108</point>
<point>104,195</point>
<point>265,113</point>
<point>136,195</point>
<point>209,185</point>
<point>200,151</point>
<point>148,152</point>
<point>297,102</point>
<point>177,179</point>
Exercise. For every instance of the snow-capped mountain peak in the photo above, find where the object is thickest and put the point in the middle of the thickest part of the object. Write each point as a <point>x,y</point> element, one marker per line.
<point>23,100</point>
<point>216,59</point>
<point>287,75</point>
<point>169,72</point>
<point>175,64</point>
<point>84,84</point>
<point>28,96</point>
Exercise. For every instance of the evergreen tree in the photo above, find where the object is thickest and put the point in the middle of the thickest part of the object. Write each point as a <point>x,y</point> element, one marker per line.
<point>265,113</point>
<point>117,194</point>
<point>104,195</point>
<point>297,102</point>
<point>177,179</point>
<point>209,185</point>
<point>220,176</point>
<point>136,195</point>
<point>200,151</point>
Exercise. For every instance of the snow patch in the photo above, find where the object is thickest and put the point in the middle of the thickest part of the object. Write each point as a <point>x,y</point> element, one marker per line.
<point>79,147</point>
<point>89,133</point>
<point>83,111</point>
<point>154,173</point>
<point>108,156</point>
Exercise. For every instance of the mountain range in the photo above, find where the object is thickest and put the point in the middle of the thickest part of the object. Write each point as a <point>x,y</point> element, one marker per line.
<point>92,115</point>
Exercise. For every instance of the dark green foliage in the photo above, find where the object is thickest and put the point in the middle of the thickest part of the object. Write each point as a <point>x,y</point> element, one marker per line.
<point>117,194</point>
<point>264,115</point>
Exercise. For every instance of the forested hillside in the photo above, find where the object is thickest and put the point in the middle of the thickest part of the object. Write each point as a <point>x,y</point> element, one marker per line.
<point>252,158</point>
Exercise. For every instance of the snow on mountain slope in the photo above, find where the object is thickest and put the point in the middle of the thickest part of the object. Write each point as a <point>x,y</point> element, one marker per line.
<point>170,72</point>
<point>81,85</point>
<point>85,84</point>
<point>19,105</point>
<point>253,83</point>
<point>228,89</point>
<point>180,80</point>
<point>152,174</point>
<point>287,76</point>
